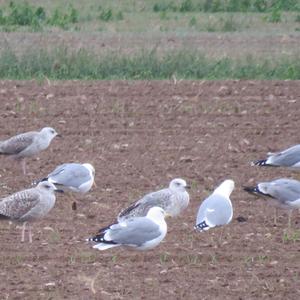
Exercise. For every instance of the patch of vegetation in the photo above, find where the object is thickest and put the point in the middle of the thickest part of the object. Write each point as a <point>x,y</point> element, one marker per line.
<point>222,24</point>
<point>63,63</point>
<point>275,16</point>
<point>62,18</point>
<point>107,14</point>
<point>293,236</point>
<point>24,14</point>
<point>227,6</point>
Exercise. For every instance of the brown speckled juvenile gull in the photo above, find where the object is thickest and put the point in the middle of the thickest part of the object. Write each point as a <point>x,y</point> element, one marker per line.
<point>173,200</point>
<point>28,205</point>
<point>27,144</point>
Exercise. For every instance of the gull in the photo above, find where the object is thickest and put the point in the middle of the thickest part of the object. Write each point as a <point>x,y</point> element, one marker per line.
<point>284,192</point>
<point>27,144</point>
<point>173,200</point>
<point>216,210</point>
<point>73,177</point>
<point>28,205</point>
<point>286,158</point>
<point>140,233</point>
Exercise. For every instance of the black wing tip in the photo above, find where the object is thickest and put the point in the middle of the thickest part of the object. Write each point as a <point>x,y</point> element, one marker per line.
<point>104,229</point>
<point>260,163</point>
<point>201,226</point>
<point>99,238</point>
<point>251,189</point>
<point>255,191</point>
<point>3,217</point>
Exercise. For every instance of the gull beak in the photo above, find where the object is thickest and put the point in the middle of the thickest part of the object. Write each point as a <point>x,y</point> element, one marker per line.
<point>94,183</point>
<point>167,215</point>
<point>59,135</point>
<point>188,187</point>
<point>59,191</point>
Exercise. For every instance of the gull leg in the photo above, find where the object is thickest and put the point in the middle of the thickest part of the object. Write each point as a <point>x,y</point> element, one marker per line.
<point>221,236</point>
<point>275,216</point>
<point>74,203</point>
<point>23,163</point>
<point>30,233</point>
<point>289,218</point>
<point>23,232</point>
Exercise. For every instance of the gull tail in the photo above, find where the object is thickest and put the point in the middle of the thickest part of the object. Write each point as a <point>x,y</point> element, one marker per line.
<point>102,243</point>
<point>103,246</point>
<point>201,226</point>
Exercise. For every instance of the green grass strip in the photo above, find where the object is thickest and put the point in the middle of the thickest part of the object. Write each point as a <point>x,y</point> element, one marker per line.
<point>64,64</point>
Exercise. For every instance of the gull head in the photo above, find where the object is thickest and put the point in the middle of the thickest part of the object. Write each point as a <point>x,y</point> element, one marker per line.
<point>265,187</point>
<point>156,213</point>
<point>178,185</point>
<point>49,132</point>
<point>90,168</point>
<point>46,186</point>
<point>225,188</point>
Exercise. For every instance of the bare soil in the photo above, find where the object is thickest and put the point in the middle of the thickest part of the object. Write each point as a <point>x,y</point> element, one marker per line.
<point>140,135</point>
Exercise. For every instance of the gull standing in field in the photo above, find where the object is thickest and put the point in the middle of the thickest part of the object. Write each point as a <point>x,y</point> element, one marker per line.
<point>287,158</point>
<point>140,233</point>
<point>173,200</point>
<point>216,210</point>
<point>73,177</point>
<point>28,205</point>
<point>284,192</point>
<point>27,144</point>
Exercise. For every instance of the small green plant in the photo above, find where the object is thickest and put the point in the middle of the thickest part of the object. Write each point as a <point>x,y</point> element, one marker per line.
<point>33,107</point>
<point>164,257</point>
<point>119,16</point>
<point>87,257</point>
<point>275,16</point>
<point>228,24</point>
<point>213,259</point>
<point>163,6</point>
<point>163,15</point>
<point>193,22</point>
<point>72,260</point>
<point>62,18</point>
<point>212,6</point>
<point>291,237</point>
<point>55,236</point>
<point>186,6</point>
<point>106,15</point>
<point>193,259</point>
